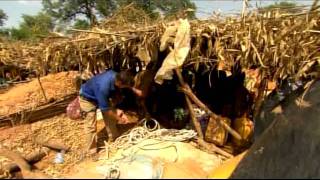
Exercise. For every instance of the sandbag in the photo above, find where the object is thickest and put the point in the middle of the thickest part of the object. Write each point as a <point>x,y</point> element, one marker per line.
<point>216,133</point>
<point>244,126</point>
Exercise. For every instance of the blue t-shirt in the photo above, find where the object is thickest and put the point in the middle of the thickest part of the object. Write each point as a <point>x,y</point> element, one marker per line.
<point>99,88</point>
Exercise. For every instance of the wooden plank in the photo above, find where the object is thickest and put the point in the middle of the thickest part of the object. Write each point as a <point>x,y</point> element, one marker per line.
<point>39,113</point>
<point>32,158</point>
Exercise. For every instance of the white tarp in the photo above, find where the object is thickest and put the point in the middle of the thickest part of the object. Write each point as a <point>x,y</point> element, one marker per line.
<point>177,56</point>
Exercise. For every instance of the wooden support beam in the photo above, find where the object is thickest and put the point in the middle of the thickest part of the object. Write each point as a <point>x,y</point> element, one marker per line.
<point>42,90</point>
<point>25,167</point>
<point>186,89</point>
<point>52,144</point>
<point>32,158</point>
<point>260,97</point>
<point>196,123</point>
<point>210,147</point>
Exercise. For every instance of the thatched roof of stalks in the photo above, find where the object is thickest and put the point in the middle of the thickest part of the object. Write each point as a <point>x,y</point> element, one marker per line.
<point>15,53</point>
<point>127,17</point>
<point>283,45</point>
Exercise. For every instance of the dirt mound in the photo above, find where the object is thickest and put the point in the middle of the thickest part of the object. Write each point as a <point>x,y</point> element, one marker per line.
<point>29,95</point>
<point>60,128</point>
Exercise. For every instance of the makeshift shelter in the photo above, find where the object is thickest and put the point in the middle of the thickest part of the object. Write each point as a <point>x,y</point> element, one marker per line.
<point>229,66</point>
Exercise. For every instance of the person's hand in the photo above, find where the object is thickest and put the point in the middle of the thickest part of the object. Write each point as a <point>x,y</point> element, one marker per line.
<point>138,92</point>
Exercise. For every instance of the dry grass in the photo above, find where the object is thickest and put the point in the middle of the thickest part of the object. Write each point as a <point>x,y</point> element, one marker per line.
<point>280,44</point>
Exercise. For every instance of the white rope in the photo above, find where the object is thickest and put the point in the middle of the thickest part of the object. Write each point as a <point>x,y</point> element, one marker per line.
<point>156,126</point>
<point>174,135</point>
<point>113,172</point>
<point>141,133</point>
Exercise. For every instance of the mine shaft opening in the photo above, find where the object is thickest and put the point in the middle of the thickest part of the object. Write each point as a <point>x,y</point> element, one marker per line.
<point>223,93</point>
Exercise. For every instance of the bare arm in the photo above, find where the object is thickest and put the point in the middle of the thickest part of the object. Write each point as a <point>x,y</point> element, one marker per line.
<point>136,91</point>
<point>111,114</point>
<point>111,119</point>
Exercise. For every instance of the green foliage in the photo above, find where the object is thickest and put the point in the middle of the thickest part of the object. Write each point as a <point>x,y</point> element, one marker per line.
<point>38,24</point>
<point>4,32</point>
<point>3,17</point>
<point>20,34</point>
<point>106,7</point>
<point>81,24</point>
<point>170,8</point>
<point>149,6</point>
<point>71,10</point>
<point>33,26</point>
<point>179,114</point>
<point>284,6</point>
<point>165,7</point>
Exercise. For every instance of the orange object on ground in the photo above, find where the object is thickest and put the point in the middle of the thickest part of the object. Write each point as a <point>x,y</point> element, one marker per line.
<point>187,169</point>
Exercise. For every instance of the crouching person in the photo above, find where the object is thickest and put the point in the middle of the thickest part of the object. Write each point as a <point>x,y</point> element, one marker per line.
<point>95,93</point>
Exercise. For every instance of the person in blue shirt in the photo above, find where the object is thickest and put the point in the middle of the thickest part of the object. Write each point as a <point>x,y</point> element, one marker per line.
<point>96,93</point>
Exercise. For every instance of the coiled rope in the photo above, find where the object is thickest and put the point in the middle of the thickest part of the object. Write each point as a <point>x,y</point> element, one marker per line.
<point>141,133</point>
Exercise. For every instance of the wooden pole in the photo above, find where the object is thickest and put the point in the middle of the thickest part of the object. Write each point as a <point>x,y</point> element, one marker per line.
<point>208,146</point>
<point>192,114</point>
<point>25,167</point>
<point>188,92</point>
<point>42,90</point>
<point>213,148</point>
<point>259,99</point>
<point>31,159</point>
<point>52,144</point>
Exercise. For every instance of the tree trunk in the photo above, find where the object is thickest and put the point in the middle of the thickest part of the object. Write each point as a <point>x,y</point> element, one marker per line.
<point>90,15</point>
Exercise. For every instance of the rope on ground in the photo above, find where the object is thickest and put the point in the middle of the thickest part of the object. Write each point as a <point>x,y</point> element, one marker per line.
<point>113,172</point>
<point>139,134</point>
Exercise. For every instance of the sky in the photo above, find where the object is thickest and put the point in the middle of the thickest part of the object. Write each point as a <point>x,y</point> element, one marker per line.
<point>15,8</point>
